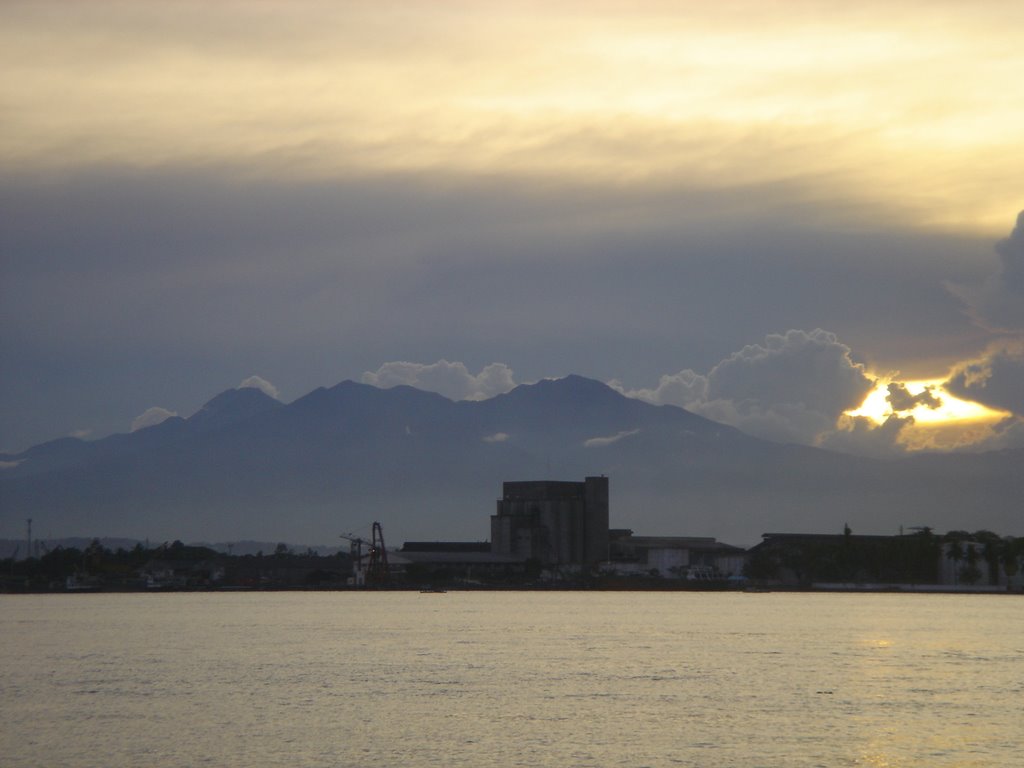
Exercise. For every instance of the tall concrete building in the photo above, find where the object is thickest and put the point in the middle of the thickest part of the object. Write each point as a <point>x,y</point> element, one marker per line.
<point>555,522</point>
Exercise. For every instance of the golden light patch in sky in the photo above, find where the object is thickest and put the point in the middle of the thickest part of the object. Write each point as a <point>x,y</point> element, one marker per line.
<point>952,412</point>
<point>863,103</point>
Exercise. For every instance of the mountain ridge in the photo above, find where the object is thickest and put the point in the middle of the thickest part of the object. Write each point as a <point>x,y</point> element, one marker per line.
<point>248,466</point>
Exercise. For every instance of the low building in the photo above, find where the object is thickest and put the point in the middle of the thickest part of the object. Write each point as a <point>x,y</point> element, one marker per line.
<point>445,561</point>
<point>164,573</point>
<point>689,557</point>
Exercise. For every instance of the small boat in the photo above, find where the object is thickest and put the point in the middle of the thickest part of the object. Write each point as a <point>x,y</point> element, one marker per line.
<point>429,590</point>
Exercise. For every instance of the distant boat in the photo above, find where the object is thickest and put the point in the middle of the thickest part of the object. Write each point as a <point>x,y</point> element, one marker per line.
<point>438,590</point>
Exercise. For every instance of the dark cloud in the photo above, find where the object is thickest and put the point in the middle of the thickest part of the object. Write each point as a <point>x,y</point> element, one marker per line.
<point>997,302</point>
<point>861,436</point>
<point>1009,433</point>
<point>900,399</point>
<point>121,288</point>
<point>812,369</point>
<point>1011,253</point>
<point>792,388</point>
<point>995,379</point>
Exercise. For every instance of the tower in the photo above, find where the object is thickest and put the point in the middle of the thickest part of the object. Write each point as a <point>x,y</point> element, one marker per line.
<point>556,522</point>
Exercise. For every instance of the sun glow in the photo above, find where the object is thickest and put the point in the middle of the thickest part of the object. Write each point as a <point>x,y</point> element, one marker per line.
<point>715,94</point>
<point>944,409</point>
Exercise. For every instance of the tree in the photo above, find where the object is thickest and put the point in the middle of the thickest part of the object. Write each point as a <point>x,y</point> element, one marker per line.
<point>970,573</point>
<point>1010,551</point>
<point>956,554</point>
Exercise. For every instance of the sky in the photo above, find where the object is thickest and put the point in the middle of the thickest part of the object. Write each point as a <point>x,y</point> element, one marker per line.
<point>761,211</point>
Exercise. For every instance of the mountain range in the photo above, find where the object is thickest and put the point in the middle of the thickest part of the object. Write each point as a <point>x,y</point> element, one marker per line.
<point>339,458</point>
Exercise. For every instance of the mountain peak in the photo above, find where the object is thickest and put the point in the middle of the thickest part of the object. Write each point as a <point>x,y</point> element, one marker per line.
<point>565,383</point>
<point>573,388</point>
<point>233,405</point>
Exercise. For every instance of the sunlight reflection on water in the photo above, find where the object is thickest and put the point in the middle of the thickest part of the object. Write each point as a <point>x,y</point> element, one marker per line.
<point>503,679</point>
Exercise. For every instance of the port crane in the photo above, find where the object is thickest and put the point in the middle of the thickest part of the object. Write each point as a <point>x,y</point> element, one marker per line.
<point>377,572</point>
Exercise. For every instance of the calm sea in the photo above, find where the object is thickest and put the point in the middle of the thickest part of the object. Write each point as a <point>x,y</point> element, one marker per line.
<point>511,679</point>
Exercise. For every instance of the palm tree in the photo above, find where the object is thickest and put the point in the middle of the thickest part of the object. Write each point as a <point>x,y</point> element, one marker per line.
<point>970,574</point>
<point>990,546</point>
<point>956,554</point>
<point>1009,555</point>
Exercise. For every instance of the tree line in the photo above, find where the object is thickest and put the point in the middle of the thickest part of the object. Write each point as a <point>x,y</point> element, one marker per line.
<point>974,558</point>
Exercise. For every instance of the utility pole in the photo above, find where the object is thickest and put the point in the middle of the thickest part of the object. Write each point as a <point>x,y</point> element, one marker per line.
<point>28,551</point>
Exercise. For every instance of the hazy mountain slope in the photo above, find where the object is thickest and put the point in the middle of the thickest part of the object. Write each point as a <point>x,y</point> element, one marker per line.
<point>339,458</point>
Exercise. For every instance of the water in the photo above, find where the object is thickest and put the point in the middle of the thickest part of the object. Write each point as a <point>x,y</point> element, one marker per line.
<point>511,679</point>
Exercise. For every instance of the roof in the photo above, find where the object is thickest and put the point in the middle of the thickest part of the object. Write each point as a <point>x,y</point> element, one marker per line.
<point>446,546</point>
<point>779,539</point>
<point>830,536</point>
<point>678,542</point>
<point>452,558</point>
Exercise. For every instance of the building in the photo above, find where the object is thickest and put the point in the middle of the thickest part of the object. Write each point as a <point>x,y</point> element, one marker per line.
<point>556,523</point>
<point>688,557</point>
<point>442,562</point>
<point>164,573</point>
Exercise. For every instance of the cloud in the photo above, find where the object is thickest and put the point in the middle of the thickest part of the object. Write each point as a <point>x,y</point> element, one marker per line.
<point>997,303</point>
<point>258,382</point>
<point>151,417</point>
<point>1009,433</point>
<point>497,437</point>
<point>900,399</point>
<point>267,278</point>
<point>861,436</point>
<point>810,370</point>
<point>683,389</point>
<point>432,87</point>
<point>276,222</point>
<point>1011,252</point>
<point>780,422</point>
<point>995,378</point>
<point>601,442</point>
<point>792,388</point>
<point>453,380</point>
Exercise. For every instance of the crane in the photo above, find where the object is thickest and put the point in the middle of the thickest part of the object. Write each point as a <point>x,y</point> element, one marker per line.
<point>377,572</point>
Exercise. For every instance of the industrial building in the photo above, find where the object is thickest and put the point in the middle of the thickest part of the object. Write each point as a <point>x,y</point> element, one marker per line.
<point>557,523</point>
<point>553,529</point>
<point>440,561</point>
<point>688,557</point>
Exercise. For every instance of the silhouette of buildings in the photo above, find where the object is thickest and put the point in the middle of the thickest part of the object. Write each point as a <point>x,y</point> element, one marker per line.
<point>556,523</point>
<point>689,557</point>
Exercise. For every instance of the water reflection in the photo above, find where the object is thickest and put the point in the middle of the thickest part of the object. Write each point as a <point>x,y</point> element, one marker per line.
<point>498,679</point>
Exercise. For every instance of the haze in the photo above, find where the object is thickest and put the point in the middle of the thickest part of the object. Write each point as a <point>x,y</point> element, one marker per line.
<point>760,212</point>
